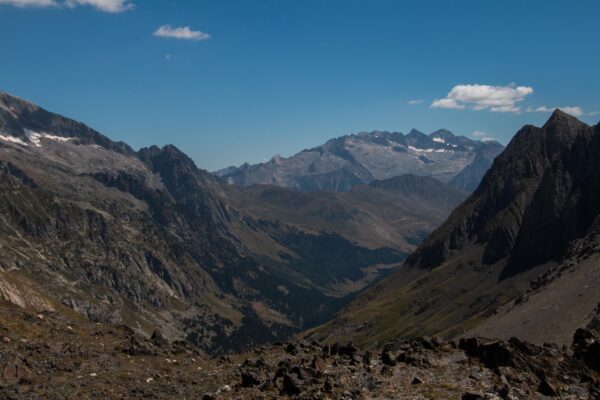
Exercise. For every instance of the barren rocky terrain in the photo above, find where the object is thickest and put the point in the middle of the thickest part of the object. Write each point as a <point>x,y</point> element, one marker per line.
<point>48,356</point>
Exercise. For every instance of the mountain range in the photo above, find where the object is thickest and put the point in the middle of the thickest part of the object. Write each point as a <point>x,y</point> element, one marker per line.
<point>124,273</point>
<point>91,228</point>
<point>519,257</point>
<point>344,162</point>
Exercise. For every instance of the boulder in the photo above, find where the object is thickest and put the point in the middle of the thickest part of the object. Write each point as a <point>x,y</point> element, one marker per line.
<point>388,358</point>
<point>291,385</point>
<point>349,350</point>
<point>317,363</point>
<point>547,389</point>
<point>473,396</point>
<point>249,378</point>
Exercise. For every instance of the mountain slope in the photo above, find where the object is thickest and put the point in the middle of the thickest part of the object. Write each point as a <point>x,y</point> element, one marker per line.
<point>397,212</point>
<point>533,222</point>
<point>344,162</point>
<point>149,240</point>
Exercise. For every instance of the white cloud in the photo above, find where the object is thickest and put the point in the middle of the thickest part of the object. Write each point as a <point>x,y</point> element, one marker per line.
<point>540,109</point>
<point>484,97</point>
<point>29,3</point>
<point>447,103</point>
<point>168,57</point>
<point>483,136</point>
<point>112,6</point>
<point>574,111</point>
<point>182,32</point>
<point>414,102</point>
<point>594,113</point>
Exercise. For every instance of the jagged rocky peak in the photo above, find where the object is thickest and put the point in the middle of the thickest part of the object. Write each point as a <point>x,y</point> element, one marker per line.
<point>168,153</point>
<point>416,133</point>
<point>442,136</point>
<point>442,133</point>
<point>528,186</point>
<point>277,159</point>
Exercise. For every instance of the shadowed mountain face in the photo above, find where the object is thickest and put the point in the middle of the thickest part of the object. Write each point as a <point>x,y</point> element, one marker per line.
<point>90,227</point>
<point>514,255</point>
<point>536,200</point>
<point>344,162</point>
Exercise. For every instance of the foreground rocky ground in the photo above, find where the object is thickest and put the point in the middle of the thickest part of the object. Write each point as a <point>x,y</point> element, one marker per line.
<point>46,356</point>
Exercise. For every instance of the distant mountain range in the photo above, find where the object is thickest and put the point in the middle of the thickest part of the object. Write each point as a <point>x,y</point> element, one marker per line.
<point>344,162</point>
<point>91,227</point>
<point>520,257</point>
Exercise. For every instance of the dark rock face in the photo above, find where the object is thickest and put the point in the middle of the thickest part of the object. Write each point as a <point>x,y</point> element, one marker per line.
<point>531,205</point>
<point>473,396</point>
<point>519,355</point>
<point>586,344</point>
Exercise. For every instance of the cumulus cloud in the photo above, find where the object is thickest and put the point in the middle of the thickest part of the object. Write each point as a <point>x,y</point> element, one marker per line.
<point>29,3</point>
<point>574,111</point>
<point>447,103</point>
<point>483,136</point>
<point>479,134</point>
<point>484,97</point>
<point>182,32</point>
<point>414,102</point>
<point>112,6</point>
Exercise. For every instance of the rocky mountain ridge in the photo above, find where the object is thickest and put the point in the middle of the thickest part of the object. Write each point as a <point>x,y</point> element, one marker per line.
<point>346,161</point>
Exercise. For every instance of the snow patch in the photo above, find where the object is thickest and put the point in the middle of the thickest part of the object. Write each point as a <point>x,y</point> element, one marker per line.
<point>416,149</point>
<point>439,140</point>
<point>13,139</point>
<point>420,150</point>
<point>34,137</point>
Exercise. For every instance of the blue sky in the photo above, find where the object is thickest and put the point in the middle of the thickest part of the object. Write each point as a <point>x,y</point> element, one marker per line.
<point>251,78</point>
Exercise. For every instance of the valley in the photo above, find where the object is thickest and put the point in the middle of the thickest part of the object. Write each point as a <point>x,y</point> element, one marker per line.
<point>145,254</point>
<point>147,239</point>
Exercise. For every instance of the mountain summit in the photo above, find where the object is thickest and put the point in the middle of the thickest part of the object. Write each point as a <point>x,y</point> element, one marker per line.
<point>344,162</point>
<point>518,257</point>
